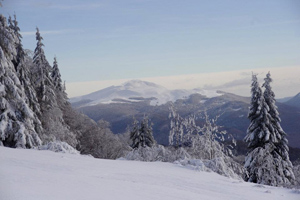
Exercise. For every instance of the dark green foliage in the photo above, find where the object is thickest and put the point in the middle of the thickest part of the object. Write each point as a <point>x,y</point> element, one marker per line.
<point>141,136</point>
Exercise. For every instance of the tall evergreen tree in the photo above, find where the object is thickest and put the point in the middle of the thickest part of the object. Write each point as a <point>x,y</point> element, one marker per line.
<point>146,134</point>
<point>60,89</point>
<point>24,74</point>
<point>263,164</point>
<point>42,80</point>
<point>51,113</point>
<point>282,143</point>
<point>13,24</point>
<point>135,134</point>
<point>16,118</point>
<point>275,121</point>
<point>260,130</point>
<point>56,77</point>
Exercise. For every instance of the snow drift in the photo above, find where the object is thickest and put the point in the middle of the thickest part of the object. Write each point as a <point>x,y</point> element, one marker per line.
<point>34,175</point>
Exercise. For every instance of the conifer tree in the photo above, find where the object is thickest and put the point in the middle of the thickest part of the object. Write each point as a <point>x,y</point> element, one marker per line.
<point>24,74</point>
<point>263,163</point>
<point>41,77</point>
<point>135,134</point>
<point>13,24</point>
<point>53,124</point>
<point>16,118</point>
<point>56,77</point>
<point>282,143</point>
<point>146,135</point>
<point>278,131</point>
<point>60,89</point>
<point>260,130</point>
<point>141,136</point>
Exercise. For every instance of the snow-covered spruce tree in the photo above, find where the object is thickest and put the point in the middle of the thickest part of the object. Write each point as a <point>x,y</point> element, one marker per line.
<point>49,97</point>
<point>260,130</point>
<point>141,136</point>
<point>282,144</point>
<point>56,77</point>
<point>13,24</point>
<point>146,134</point>
<point>263,164</point>
<point>135,134</point>
<point>44,88</point>
<point>16,118</point>
<point>22,68</point>
<point>59,88</point>
<point>41,76</point>
<point>176,128</point>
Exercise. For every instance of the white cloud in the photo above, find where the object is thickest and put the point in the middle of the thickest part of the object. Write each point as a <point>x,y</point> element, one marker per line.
<point>286,82</point>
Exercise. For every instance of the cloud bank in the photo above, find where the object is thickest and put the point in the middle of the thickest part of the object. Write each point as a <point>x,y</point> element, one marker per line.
<point>286,81</point>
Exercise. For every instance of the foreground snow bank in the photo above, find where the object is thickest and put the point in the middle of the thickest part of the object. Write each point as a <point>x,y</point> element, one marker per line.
<point>35,175</point>
<point>58,146</point>
<point>222,165</point>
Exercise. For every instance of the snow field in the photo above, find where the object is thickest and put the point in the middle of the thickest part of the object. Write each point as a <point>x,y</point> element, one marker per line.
<point>35,175</point>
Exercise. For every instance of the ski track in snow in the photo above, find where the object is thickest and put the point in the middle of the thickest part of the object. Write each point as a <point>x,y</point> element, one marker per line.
<point>35,175</point>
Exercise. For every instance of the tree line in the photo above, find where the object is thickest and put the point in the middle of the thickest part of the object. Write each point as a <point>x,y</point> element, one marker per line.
<point>34,107</point>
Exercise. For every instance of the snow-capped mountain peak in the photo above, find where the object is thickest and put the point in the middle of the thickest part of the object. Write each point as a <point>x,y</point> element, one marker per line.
<point>131,90</point>
<point>133,84</point>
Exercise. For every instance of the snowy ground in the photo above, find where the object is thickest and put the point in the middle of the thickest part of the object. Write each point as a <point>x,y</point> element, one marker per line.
<point>41,175</point>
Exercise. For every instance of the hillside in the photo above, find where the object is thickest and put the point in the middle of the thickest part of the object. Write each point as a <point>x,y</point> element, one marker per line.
<point>233,110</point>
<point>34,175</point>
<point>295,101</point>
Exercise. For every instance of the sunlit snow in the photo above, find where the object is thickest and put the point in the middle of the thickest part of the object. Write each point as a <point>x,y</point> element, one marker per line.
<point>35,175</point>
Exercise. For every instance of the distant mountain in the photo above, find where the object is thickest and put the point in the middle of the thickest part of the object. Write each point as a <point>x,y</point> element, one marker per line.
<point>282,100</point>
<point>295,101</point>
<point>136,91</point>
<point>232,108</point>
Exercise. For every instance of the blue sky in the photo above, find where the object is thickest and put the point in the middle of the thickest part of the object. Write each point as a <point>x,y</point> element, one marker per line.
<point>130,39</point>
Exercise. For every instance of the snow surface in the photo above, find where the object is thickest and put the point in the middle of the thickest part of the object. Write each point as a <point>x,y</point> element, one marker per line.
<point>138,88</point>
<point>34,175</point>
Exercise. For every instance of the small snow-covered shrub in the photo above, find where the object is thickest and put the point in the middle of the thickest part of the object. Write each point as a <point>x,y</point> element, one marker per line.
<point>225,166</point>
<point>58,146</point>
<point>195,164</point>
<point>157,153</point>
<point>297,174</point>
<point>221,165</point>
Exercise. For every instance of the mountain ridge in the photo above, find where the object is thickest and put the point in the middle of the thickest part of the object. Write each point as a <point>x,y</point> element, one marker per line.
<point>294,101</point>
<point>137,89</point>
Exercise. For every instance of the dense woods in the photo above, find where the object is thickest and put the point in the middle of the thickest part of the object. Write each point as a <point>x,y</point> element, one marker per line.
<point>34,103</point>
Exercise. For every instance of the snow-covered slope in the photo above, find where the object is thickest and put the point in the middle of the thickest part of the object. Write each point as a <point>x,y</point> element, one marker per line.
<point>137,88</point>
<point>35,175</point>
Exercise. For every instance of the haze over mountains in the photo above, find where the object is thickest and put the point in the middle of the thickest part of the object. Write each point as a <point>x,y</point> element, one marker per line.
<point>118,105</point>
